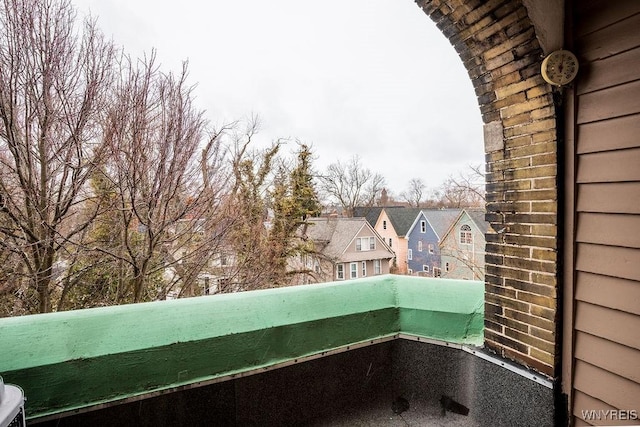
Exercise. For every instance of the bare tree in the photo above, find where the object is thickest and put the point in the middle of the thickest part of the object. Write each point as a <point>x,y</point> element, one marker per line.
<point>415,192</point>
<point>54,81</point>
<point>168,189</point>
<point>350,185</point>
<point>465,189</point>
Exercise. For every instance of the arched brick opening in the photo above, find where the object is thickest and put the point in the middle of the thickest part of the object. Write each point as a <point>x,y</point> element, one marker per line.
<point>497,43</point>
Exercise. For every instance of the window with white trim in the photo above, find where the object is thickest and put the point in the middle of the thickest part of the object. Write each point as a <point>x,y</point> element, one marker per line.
<point>354,270</point>
<point>446,267</point>
<point>340,271</point>
<point>466,238</point>
<point>366,244</point>
<point>377,267</point>
<point>410,254</point>
<point>431,248</point>
<point>423,226</point>
<point>425,268</point>
<point>364,268</point>
<point>384,225</point>
<point>390,242</point>
<point>419,245</point>
<point>436,272</point>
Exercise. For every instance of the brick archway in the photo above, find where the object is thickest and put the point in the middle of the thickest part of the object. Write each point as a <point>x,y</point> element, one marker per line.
<point>497,43</point>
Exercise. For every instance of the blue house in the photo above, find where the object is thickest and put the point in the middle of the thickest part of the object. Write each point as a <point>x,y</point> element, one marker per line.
<point>429,227</point>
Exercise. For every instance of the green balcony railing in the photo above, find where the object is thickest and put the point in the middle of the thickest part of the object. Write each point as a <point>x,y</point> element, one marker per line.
<point>78,359</point>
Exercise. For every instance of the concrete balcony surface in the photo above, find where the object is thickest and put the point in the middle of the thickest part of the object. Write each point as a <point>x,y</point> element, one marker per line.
<point>329,354</point>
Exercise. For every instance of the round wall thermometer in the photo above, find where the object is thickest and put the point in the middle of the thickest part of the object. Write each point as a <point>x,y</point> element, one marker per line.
<point>559,68</point>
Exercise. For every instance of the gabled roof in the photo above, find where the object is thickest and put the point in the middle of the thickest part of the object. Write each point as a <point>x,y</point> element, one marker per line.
<point>370,213</point>
<point>334,235</point>
<point>402,218</point>
<point>476,215</point>
<point>441,219</point>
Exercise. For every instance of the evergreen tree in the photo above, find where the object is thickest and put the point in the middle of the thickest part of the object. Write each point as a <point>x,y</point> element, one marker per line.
<point>294,200</point>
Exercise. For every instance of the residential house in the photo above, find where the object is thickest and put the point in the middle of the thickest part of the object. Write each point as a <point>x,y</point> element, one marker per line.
<point>203,253</point>
<point>346,248</point>
<point>423,240</point>
<point>393,224</point>
<point>462,248</point>
<point>560,302</point>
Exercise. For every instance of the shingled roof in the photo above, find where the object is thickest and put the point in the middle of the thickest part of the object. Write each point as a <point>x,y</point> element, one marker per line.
<point>370,213</point>
<point>402,218</point>
<point>333,235</point>
<point>441,219</point>
<point>477,215</point>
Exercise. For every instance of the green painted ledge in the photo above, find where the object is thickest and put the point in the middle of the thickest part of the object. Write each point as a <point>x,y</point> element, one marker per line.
<point>78,359</point>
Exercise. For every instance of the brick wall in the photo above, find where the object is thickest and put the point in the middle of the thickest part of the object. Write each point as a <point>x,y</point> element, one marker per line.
<point>497,43</point>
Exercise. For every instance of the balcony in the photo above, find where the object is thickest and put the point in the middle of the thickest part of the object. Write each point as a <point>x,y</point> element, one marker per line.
<point>387,350</point>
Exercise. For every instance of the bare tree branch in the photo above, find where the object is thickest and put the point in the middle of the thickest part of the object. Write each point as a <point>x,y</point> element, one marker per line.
<point>350,184</point>
<point>54,82</point>
<point>415,192</point>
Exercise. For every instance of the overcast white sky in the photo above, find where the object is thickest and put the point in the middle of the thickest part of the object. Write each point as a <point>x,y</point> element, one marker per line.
<point>369,77</point>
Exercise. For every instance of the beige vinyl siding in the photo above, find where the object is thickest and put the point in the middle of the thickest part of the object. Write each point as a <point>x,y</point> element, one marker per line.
<point>606,282</point>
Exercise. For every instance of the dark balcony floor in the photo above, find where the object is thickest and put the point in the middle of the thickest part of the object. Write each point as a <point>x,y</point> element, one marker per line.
<point>421,413</point>
<point>353,388</point>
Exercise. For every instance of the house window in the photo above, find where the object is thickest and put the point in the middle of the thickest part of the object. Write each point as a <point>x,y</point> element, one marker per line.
<point>390,243</point>
<point>420,246</point>
<point>340,271</point>
<point>410,255</point>
<point>225,284</point>
<point>431,248</point>
<point>384,225</point>
<point>436,272</point>
<point>410,271</point>
<point>446,267</point>
<point>377,266</point>
<point>425,268</point>
<point>354,270</point>
<point>364,268</point>
<point>365,244</point>
<point>465,235</point>
<point>423,226</point>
